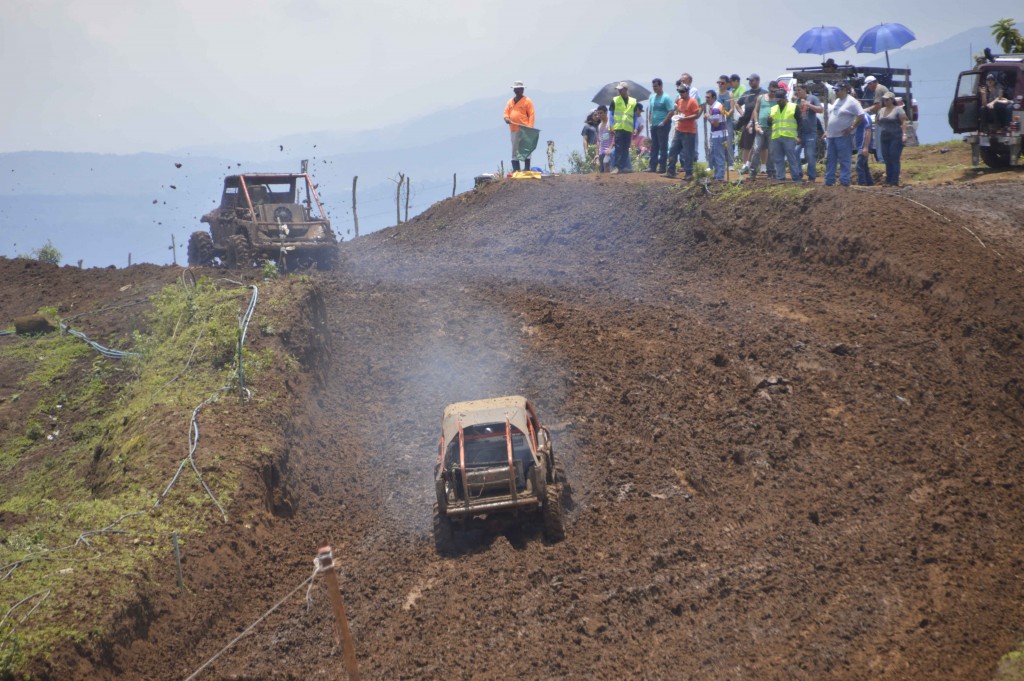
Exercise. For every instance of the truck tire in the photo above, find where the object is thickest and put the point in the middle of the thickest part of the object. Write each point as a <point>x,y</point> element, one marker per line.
<point>996,155</point>
<point>200,250</point>
<point>554,513</point>
<point>444,532</point>
<point>239,253</point>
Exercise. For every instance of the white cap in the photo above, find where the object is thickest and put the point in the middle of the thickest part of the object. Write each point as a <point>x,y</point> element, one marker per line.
<point>622,86</point>
<point>517,84</point>
<point>870,79</point>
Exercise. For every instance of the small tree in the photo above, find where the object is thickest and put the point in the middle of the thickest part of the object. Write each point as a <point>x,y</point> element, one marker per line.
<point>1007,36</point>
<point>47,253</point>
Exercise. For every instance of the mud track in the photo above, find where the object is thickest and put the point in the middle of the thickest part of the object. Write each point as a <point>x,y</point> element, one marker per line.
<point>792,427</point>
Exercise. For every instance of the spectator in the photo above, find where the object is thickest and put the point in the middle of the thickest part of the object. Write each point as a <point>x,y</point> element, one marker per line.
<point>785,117</point>
<point>807,133</point>
<point>639,141</point>
<point>748,103</point>
<point>685,142</point>
<point>589,132</point>
<point>761,127</point>
<point>518,111</point>
<point>995,106</point>
<point>718,138</point>
<point>604,138</point>
<point>864,141</point>
<point>623,128</point>
<point>687,81</point>
<point>873,91</point>
<point>662,107</point>
<point>892,128</point>
<point>844,118</point>
<point>728,104</point>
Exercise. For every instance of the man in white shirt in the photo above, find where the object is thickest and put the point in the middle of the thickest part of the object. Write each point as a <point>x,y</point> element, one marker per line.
<point>844,117</point>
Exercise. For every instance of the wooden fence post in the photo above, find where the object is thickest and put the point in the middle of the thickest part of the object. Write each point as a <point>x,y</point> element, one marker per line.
<point>453,185</point>
<point>325,560</point>
<point>398,199</point>
<point>354,216</point>
<point>407,199</point>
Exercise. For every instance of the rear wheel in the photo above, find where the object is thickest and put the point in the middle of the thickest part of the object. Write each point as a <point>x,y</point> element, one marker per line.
<point>200,250</point>
<point>239,252</point>
<point>996,155</point>
<point>444,532</point>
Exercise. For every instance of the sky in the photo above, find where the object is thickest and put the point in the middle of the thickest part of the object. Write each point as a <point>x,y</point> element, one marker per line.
<point>131,76</point>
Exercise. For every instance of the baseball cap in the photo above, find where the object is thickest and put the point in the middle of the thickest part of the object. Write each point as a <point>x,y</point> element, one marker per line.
<point>843,84</point>
<point>753,76</point>
<point>517,83</point>
<point>888,95</point>
<point>783,85</point>
<point>870,79</point>
<point>622,86</point>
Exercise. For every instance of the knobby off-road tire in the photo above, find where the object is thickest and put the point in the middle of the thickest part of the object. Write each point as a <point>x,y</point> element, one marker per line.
<point>444,532</point>
<point>239,252</point>
<point>553,513</point>
<point>996,156</point>
<point>200,250</point>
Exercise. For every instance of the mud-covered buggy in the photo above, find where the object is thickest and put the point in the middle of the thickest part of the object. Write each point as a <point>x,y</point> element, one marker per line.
<point>266,216</point>
<point>495,461</point>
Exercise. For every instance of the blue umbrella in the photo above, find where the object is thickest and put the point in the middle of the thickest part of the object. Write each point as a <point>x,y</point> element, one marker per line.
<point>883,38</point>
<point>822,39</point>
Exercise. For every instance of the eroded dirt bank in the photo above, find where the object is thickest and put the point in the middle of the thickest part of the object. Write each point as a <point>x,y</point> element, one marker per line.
<point>791,422</point>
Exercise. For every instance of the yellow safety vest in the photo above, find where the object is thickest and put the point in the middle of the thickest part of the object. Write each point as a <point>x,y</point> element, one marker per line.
<point>623,113</point>
<point>783,121</point>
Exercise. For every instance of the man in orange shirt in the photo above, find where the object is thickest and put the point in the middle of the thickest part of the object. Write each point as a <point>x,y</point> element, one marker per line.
<point>518,111</point>
<point>687,113</point>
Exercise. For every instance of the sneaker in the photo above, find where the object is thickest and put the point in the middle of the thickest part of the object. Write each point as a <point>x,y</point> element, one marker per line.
<point>669,175</point>
<point>626,170</point>
<point>615,171</point>
<point>764,168</point>
<point>745,169</point>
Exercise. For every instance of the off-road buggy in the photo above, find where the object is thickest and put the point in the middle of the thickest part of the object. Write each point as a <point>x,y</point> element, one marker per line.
<point>264,216</point>
<point>495,460</point>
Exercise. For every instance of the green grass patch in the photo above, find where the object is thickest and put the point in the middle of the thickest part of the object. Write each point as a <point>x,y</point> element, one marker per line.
<point>95,448</point>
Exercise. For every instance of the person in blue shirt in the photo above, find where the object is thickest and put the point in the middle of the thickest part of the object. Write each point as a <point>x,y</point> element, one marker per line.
<point>864,142</point>
<point>662,107</point>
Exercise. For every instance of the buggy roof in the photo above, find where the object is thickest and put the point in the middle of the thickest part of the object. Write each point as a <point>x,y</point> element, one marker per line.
<point>477,412</point>
<point>232,180</point>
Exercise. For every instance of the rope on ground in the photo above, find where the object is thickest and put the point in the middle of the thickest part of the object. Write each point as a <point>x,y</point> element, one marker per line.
<point>307,580</point>
<point>931,210</point>
<point>7,333</point>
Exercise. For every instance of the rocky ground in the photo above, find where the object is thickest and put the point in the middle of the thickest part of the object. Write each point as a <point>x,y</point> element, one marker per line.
<point>791,421</point>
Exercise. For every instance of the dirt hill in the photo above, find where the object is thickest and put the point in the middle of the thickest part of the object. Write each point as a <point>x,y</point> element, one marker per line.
<point>791,419</point>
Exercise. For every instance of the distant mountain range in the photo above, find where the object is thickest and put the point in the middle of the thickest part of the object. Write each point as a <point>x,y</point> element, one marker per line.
<point>98,208</point>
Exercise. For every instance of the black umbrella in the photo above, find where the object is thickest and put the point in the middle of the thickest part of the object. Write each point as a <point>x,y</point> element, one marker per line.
<point>609,91</point>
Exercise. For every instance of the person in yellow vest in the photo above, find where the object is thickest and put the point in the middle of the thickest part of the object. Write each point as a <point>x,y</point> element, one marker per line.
<point>518,111</point>
<point>624,127</point>
<point>785,119</point>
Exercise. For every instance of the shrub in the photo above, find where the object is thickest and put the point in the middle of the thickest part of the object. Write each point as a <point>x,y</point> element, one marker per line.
<point>47,253</point>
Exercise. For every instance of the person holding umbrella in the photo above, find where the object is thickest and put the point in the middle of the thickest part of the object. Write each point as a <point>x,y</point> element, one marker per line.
<point>519,112</point>
<point>623,127</point>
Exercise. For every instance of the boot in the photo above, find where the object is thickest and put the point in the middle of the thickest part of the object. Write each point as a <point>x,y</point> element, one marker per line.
<point>526,164</point>
<point>515,165</point>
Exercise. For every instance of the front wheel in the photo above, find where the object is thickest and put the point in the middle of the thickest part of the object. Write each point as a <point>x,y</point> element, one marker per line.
<point>200,250</point>
<point>239,252</point>
<point>444,532</point>
<point>554,513</point>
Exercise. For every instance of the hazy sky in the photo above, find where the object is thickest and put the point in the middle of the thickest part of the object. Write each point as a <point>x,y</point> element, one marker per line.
<point>134,75</point>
